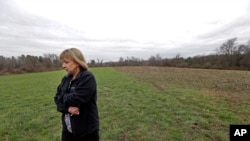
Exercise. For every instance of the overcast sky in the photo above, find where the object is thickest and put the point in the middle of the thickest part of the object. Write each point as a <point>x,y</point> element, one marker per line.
<point>110,29</point>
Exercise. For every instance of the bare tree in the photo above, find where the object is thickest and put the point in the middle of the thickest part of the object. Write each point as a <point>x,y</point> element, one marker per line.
<point>228,49</point>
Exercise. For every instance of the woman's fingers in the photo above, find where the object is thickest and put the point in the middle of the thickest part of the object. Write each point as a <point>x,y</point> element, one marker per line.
<point>74,110</point>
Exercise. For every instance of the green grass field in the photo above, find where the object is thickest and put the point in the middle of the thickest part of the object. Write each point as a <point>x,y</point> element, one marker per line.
<point>135,104</point>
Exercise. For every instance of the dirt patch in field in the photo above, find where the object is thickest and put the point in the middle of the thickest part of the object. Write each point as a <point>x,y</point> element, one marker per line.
<point>229,85</point>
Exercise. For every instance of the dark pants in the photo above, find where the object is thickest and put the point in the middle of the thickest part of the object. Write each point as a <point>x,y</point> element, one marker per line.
<point>67,136</point>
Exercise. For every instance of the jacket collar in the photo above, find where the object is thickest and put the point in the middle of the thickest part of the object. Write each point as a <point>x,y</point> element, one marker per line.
<point>69,76</point>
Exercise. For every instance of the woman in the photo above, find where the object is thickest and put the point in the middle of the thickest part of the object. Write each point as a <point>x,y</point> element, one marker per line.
<point>76,99</point>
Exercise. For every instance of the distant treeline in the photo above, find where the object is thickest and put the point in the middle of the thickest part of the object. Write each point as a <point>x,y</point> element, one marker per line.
<point>229,55</point>
<point>28,63</point>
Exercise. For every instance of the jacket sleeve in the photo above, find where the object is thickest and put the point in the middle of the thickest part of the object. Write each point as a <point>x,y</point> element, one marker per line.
<point>58,99</point>
<point>84,91</point>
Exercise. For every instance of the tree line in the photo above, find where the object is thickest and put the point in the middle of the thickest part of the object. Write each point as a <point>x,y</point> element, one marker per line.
<point>229,55</point>
<point>28,63</point>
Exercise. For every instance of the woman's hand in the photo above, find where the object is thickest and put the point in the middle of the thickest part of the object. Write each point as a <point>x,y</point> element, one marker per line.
<point>74,110</point>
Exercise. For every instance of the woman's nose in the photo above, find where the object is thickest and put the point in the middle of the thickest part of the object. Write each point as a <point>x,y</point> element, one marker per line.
<point>63,65</point>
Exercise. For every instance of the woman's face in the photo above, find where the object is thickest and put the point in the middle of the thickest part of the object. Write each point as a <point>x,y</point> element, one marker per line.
<point>70,66</point>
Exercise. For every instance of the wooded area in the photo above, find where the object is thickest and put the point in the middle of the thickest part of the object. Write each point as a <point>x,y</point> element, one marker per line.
<point>29,63</point>
<point>229,55</point>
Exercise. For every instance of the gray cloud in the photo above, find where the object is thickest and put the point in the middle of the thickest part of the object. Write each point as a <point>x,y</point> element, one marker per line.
<point>24,33</point>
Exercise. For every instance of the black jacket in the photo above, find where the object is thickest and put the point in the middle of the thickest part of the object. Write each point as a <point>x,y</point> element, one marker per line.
<point>82,93</point>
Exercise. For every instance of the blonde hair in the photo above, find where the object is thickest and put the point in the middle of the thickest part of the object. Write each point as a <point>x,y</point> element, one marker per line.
<point>75,55</point>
